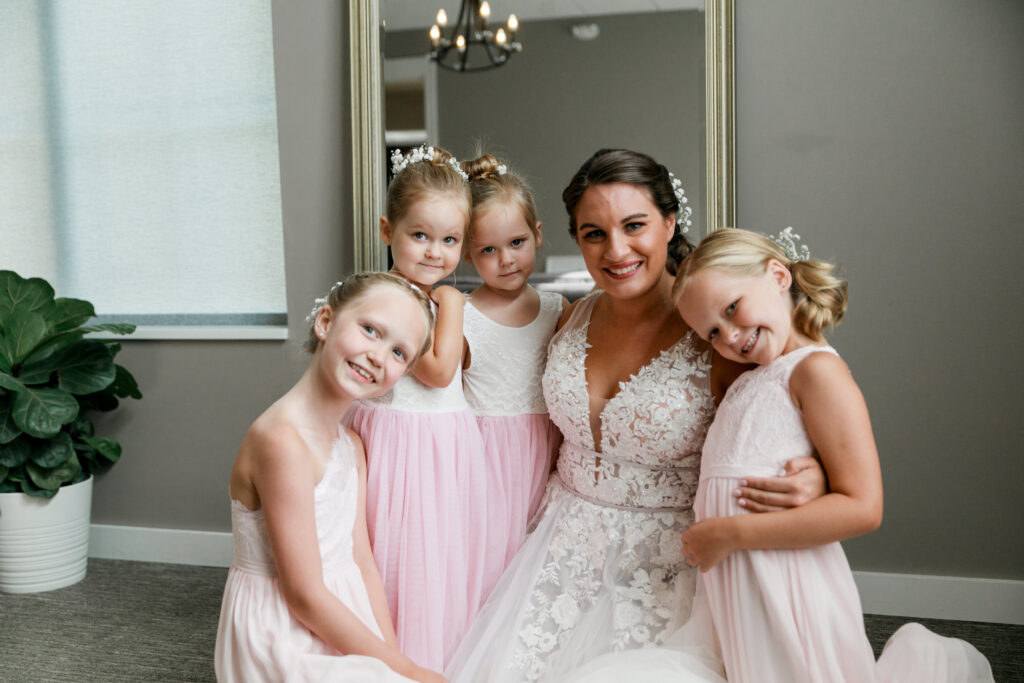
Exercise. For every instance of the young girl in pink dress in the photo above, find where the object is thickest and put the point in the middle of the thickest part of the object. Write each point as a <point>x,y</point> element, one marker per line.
<point>303,599</point>
<point>426,491</point>
<point>508,325</point>
<point>780,591</point>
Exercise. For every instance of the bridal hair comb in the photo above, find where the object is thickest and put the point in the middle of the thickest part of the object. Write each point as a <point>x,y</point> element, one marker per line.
<point>787,241</point>
<point>684,212</point>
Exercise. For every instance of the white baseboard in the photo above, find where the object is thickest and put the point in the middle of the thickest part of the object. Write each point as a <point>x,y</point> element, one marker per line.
<point>174,546</point>
<point>903,595</point>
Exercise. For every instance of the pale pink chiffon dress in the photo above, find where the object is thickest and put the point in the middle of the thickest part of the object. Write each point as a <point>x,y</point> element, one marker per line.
<point>793,616</point>
<point>258,639</point>
<point>426,502</point>
<point>503,387</point>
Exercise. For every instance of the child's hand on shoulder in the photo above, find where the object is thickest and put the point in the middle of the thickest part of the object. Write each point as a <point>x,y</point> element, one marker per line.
<point>446,295</point>
<point>707,543</point>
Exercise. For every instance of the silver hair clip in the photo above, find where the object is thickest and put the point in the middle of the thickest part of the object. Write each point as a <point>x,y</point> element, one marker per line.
<point>684,212</point>
<point>787,242</point>
<point>424,152</point>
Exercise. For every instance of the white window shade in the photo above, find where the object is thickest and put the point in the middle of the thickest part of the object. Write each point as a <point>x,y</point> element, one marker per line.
<point>140,162</point>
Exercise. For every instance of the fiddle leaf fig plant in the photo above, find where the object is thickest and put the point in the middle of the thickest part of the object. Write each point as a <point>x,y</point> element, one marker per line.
<point>50,377</point>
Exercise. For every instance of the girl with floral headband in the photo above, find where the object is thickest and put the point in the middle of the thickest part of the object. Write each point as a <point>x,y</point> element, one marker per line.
<point>303,599</point>
<point>779,588</point>
<point>426,493</point>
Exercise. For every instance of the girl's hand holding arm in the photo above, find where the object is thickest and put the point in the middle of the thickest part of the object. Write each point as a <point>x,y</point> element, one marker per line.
<point>839,427</point>
<point>285,481</point>
<point>436,367</point>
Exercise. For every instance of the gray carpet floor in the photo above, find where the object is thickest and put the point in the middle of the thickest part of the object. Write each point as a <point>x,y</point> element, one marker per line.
<point>136,621</point>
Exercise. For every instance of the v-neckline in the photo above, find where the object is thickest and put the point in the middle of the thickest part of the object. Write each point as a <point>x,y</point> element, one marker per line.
<point>597,443</point>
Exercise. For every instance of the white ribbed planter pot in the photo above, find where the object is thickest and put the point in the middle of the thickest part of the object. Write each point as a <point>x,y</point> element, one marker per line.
<point>44,542</point>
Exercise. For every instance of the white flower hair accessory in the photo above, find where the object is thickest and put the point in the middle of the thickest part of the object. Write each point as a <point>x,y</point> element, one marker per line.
<point>684,212</point>
<point>321,301</point>
<point>787,242</point>
<point>502,169</point>
<point>424,152</point>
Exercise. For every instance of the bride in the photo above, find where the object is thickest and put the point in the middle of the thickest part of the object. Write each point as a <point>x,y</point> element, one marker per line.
<point>633,391</point>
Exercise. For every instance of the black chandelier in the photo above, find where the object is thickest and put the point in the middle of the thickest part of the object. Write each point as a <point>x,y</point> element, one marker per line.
<point>472,33</point>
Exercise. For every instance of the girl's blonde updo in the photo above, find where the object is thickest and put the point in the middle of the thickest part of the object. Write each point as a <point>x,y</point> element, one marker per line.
<point>491,180</point>
<point>426,177</point>
<point>354,288</point>
<point>819,297</point>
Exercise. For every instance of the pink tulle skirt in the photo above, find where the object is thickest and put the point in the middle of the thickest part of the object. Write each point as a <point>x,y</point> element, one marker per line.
<point>426,497</point>
<point>520,450</point>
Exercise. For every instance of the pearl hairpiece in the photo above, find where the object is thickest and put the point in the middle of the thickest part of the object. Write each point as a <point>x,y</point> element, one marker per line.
<point>424,152</point>
<point>787,242</point>
<point>684,212</point>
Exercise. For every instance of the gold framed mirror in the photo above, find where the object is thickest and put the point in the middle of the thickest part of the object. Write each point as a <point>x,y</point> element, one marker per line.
<point>367,115</point>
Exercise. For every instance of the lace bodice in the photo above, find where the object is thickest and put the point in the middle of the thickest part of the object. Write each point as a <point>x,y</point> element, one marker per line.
<point>652,430</point>
<point>336,495</point>
<point>758,427</point>
<point>506,363</point>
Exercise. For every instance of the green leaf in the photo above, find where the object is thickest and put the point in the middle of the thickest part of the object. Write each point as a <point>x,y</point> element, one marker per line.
<point>9,485</point>
<point>22,331</point>
<point>15,453</point>
<point>52,452</point>
<point>115,328</point>
<point>8,430</point>
<point>51,478</point>
<point>40,412</point>
<point>3,475</point>
<point>82,426</point>
<point>108,448</point>
<point>8,382</point>
<point>53,344</point>
<point>29,488</point>
<point>124,384</point>
<point>19,293</point>
<point>67,314</point>
<point>84,367</point>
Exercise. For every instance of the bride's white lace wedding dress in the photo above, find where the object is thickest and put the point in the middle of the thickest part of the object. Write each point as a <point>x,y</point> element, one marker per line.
<point>603,568</point>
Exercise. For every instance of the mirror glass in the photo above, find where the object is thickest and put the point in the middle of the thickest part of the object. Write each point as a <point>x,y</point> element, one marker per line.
<point>584,80</point>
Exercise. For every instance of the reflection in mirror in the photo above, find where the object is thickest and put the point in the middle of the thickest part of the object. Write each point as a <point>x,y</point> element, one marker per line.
<point>633,79</point>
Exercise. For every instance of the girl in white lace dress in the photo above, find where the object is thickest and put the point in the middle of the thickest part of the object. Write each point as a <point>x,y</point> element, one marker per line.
<point>507,326</point>
<point>303,599</point>
<point>426,479</point>
<point>631,389</point>
<point>780,591</point>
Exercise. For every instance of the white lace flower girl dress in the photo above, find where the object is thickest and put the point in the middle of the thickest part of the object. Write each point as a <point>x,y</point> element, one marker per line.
<point>503,388</point>
<point>602,570</point>
<point>258,639</point>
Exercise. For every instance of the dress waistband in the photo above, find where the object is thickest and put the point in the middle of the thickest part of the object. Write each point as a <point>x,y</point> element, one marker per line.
<point>738,471</point>
<point>624,484</point>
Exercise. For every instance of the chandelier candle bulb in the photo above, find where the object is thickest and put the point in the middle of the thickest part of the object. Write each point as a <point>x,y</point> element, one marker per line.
<point>442,17</point>
<point>500,36</point>
<point>435,35</point>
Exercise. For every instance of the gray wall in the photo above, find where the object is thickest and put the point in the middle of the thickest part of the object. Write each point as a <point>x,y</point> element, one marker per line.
<point>199,397</point>
<point>639,85</point>
<point>890,135</point>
